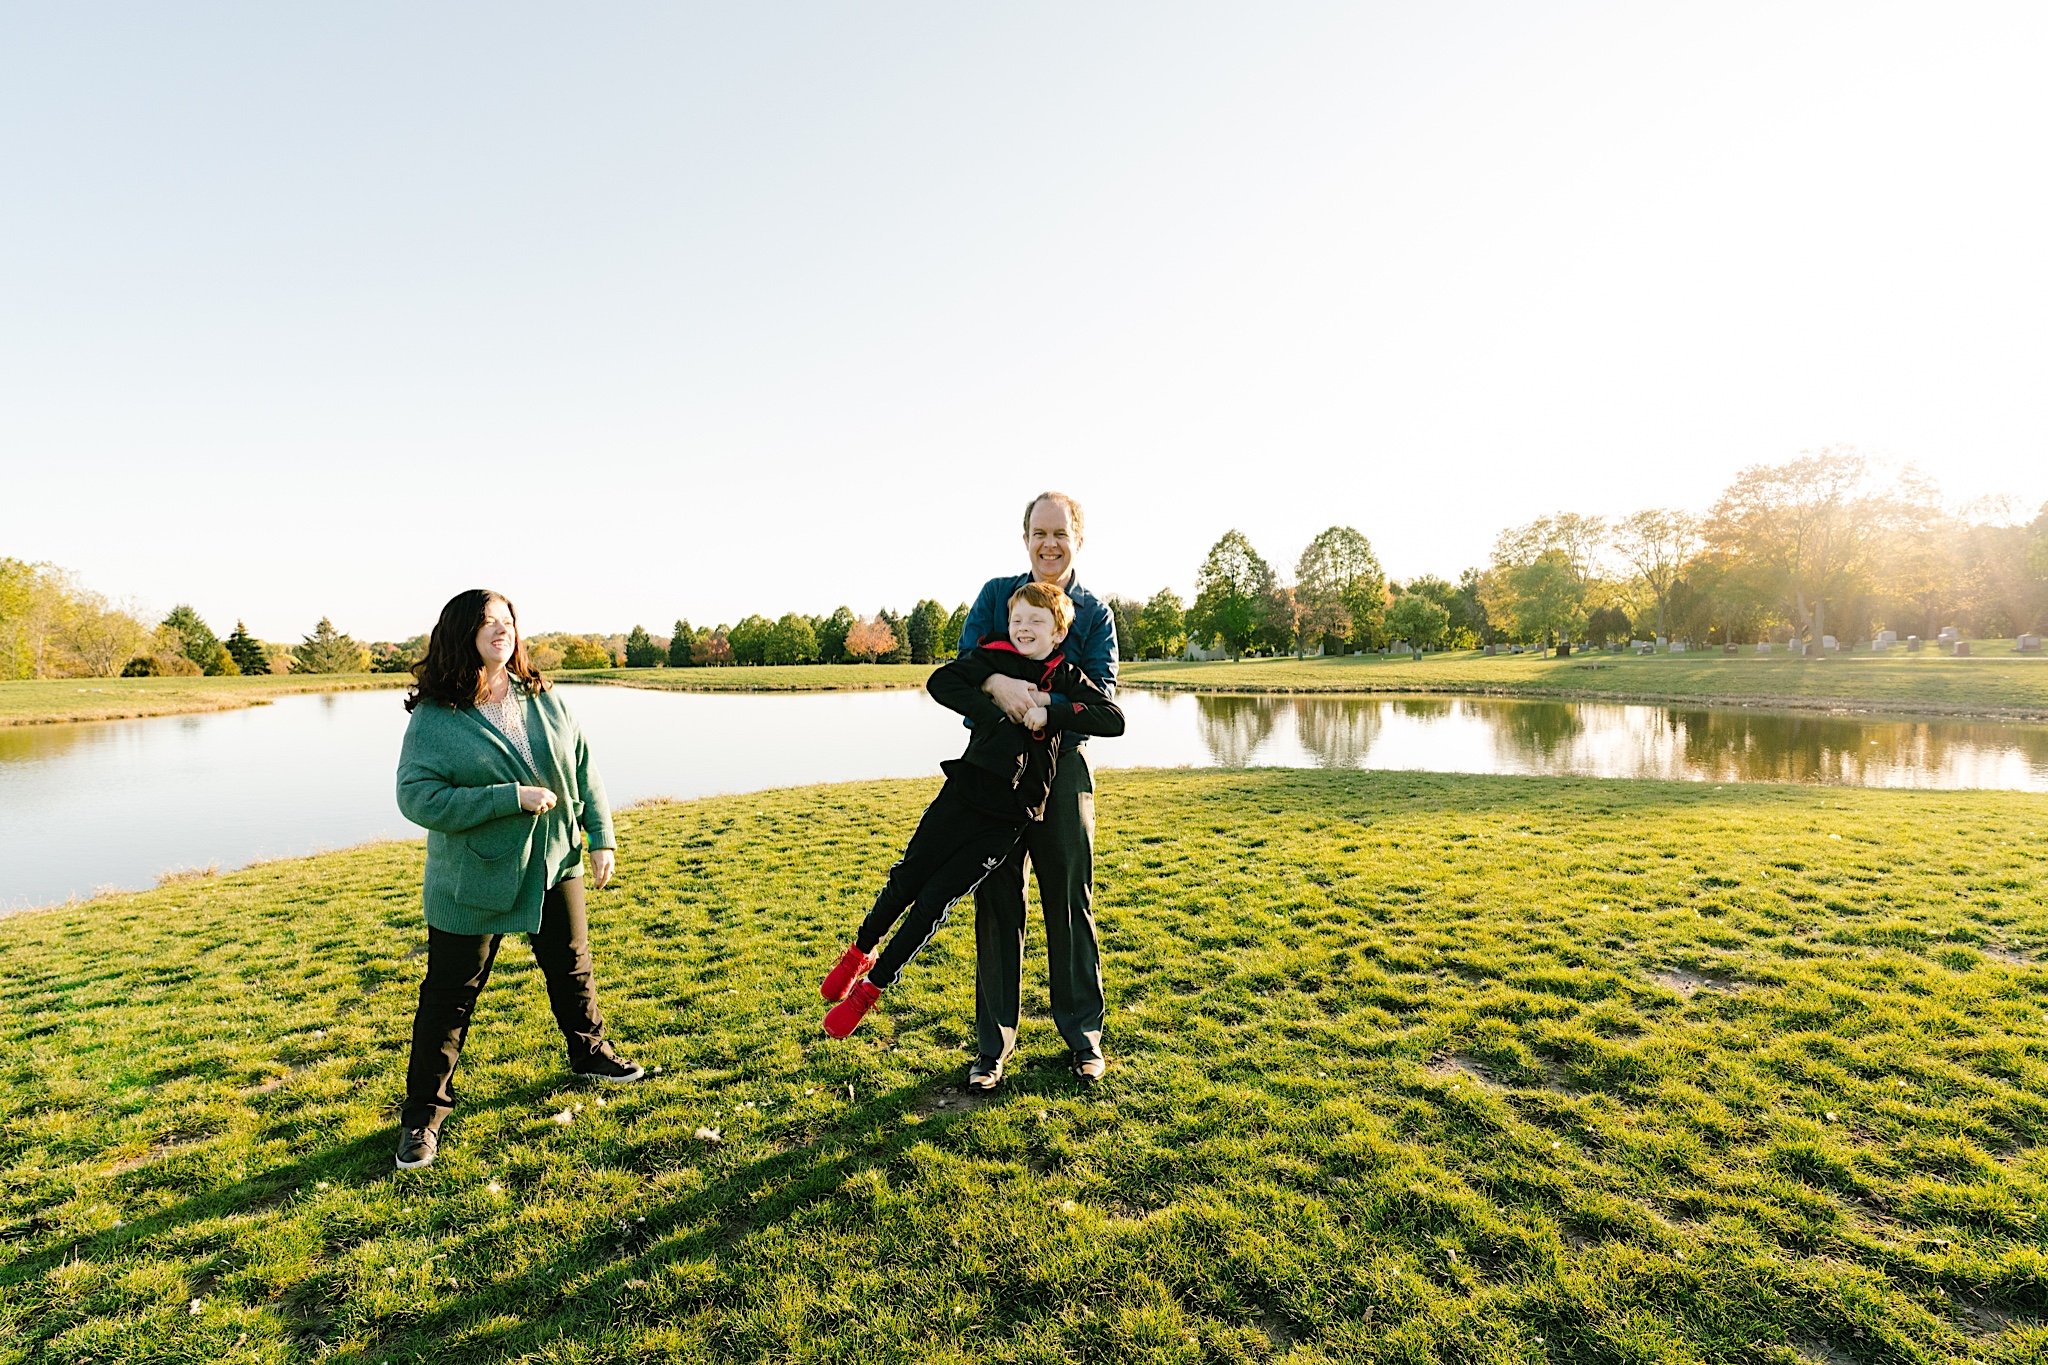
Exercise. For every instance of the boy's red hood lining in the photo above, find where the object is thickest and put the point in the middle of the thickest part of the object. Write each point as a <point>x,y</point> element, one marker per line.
<point>1051,661</point>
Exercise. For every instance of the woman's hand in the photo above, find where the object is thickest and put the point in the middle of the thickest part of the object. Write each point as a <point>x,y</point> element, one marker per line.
<point>536,800</point>
<point>603,862</point>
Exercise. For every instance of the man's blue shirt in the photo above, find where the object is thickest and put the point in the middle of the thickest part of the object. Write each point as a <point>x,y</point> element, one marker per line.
<point>1090,642</point>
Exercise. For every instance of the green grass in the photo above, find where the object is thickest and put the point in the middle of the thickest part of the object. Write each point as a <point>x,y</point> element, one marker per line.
<point>1998,684</point>
<point>1405,1068</point>
<point>781,678</point>
<point>53,701</point>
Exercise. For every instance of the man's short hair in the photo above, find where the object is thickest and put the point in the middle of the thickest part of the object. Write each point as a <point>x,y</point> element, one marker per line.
<point>1073,511</point>
<point>1048,596</point>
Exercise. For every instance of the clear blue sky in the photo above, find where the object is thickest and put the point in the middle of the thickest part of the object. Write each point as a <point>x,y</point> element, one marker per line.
<point>639,311</point>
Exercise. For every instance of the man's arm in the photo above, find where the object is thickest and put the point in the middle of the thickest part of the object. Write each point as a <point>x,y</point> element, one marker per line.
<point>988,616</point>
<point>1091,646</point>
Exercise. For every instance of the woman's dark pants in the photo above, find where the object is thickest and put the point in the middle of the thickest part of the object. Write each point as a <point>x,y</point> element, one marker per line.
<point>457,967</point>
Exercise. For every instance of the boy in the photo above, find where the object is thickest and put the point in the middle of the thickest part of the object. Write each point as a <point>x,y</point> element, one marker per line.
<point>992,790</point>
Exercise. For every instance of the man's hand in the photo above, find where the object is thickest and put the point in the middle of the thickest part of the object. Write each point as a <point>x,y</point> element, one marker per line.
<point>1014,695</point>
<point>603,862</point>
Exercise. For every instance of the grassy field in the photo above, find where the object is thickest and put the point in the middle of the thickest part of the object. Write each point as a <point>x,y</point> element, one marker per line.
<point>1991,684</point>
<point>783,678</point>
<point>54,701</point>
<point>1405,1068</point>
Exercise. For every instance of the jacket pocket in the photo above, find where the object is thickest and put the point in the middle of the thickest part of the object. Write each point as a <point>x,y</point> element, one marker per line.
<point>490,863</point>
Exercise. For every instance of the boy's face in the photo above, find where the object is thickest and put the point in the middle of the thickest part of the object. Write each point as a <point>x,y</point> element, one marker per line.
<point>1031,630</point>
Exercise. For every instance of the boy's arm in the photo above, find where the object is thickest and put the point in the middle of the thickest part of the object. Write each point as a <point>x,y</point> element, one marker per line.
<point>1086,708</point>
<point>957,687</point>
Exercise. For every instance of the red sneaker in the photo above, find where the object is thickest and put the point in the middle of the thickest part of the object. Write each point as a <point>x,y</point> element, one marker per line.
<point>852,965</point>
<point>844,1017</point>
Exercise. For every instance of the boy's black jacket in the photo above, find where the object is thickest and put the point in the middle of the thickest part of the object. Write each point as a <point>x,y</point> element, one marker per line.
<point>997,744</point>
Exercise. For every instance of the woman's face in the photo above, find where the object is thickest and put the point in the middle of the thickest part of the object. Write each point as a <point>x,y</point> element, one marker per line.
<point>498,636</point>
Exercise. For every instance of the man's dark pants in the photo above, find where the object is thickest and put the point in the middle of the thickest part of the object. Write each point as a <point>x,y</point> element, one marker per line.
<point>1061,849</point>
<point>458,965</point>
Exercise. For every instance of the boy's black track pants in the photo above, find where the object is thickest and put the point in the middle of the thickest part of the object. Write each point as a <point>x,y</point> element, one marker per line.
<point>959,841</point>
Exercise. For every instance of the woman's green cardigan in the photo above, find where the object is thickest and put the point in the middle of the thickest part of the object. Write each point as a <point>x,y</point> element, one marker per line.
<point>489,863</point>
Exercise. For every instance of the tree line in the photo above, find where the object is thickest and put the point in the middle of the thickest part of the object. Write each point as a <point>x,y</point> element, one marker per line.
<point>1826,544</point>
<point>50,627</point>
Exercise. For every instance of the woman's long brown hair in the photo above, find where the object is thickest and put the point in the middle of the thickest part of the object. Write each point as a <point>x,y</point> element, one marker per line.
<point>452,672</point>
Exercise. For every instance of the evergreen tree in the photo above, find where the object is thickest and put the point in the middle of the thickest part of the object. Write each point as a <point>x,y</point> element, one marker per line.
<point>926,626</point>
<point>249,656</point>
<point>640,650</point>
<point>956,625</point>
<point>327,650</point>
<point>196,639</point>
<point>680,644</point>
<point>900,653</point>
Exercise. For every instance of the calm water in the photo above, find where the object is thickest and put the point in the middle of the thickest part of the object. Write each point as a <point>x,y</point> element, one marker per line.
<point>117,804</point>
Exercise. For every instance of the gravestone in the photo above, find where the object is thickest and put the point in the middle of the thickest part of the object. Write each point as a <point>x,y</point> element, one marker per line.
<point>1564,651</point>
<point>1962,649</point>
<point>2027,644</point>
<point>1678,646</point>
<point>1912,644</point>
<point>1886,637</point>
<point>1731,648</point>
<point>1949,635</point>
<point>1763,646</point>
<point>1880,645</point>
<point>1492,650</point>
<point>1830,644</point>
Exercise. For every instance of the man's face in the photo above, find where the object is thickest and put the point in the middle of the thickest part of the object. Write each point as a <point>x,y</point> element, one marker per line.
<point>1051,542</point>
<point>1031,630</point>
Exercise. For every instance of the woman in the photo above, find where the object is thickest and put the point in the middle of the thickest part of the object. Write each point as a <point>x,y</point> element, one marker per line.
<point>496,770</point>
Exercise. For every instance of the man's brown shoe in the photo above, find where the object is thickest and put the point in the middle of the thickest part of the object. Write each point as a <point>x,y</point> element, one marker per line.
<point>985,1074</point>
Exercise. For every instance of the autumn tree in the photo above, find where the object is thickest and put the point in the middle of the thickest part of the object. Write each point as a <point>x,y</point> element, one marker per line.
<point>869,640</point>
<point>712,649</point>
<point>1233,590</point>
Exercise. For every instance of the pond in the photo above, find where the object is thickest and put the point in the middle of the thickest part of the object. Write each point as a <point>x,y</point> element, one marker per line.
<point>117,804</point>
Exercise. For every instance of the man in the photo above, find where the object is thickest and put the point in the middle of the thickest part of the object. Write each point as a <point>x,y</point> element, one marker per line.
<point>1061,847</point>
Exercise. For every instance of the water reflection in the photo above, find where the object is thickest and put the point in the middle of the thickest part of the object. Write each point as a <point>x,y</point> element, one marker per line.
<point>1498,735</point>
<point>1336,731</point>
<point>1234,728</point>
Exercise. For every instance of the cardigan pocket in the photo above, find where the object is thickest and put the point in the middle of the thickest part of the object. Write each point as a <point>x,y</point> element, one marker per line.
<point>488,870</point>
